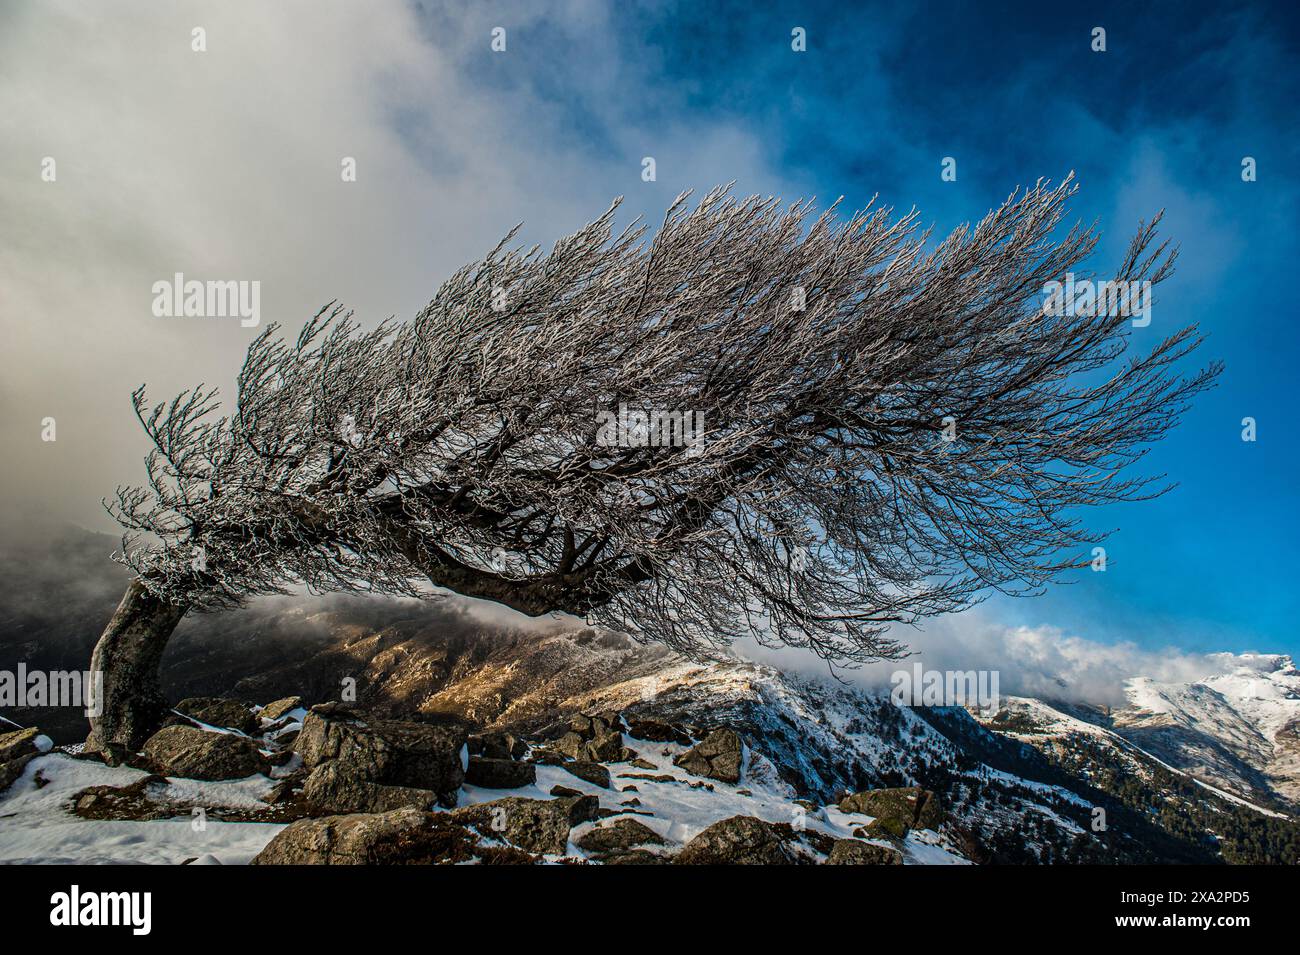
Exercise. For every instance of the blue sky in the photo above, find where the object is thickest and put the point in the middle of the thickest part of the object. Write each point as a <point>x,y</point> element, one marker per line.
<point>1161,120</point>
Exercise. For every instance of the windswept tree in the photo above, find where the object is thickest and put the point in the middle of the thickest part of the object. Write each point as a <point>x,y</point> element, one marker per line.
<point>752,423</point>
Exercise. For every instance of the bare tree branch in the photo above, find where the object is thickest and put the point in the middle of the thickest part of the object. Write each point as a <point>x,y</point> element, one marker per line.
<point>825,359</point>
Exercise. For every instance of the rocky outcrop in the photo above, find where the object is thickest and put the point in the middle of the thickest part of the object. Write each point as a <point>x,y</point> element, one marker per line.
<point>617,838</point>
<point>131,801</point>
<point>401,837</point>
<point>360,765</point>
<point>335,788</point>
<point>636,857</point>
<point>857,852</point>
<point>720,756</point>
<point>535,825</point>
<point>589,771</point>
<point>656,731</point>
<point>895,811</point>
<point>740,840</point>
<point>280,708</point>
<point>17,749</point>
<point>192,753</point>
<point>497,746</point>
<point>215,711</point>
<point>11,770</point>
<point>19,743</point>
<point>499,773</point>
<point>569,745</point>
<point>595,739</point>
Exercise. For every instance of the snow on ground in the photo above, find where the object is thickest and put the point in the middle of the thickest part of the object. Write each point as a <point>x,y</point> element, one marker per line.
<point>1224,794</point>
<point>1045,789</point>
<point>1253,701</point>
<point>1049,721</point>
<point>1226,728</point>
<point>36,825</point>
<point>1154,700</point>
<point>681,812</point>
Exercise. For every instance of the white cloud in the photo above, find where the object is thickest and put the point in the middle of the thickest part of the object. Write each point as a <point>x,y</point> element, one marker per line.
<point>226,165</point>
<point>1041,661</point>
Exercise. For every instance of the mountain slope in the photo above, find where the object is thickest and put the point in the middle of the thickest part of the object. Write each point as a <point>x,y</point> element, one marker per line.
<point>1181,805</point>
<point>1024,785</point>
<point>1239,730</point>
<point>1014,796</point>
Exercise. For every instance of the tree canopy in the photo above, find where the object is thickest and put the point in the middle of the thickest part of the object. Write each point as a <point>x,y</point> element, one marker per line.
<point>892,427</point>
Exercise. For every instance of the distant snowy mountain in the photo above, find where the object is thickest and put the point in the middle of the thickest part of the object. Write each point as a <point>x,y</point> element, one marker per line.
<point>1239,730</point>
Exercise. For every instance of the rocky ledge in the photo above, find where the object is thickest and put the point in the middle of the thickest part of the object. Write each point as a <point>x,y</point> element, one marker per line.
<point>355,789</point>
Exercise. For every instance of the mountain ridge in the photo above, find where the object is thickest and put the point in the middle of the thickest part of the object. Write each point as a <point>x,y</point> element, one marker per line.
<point>1023,783</point>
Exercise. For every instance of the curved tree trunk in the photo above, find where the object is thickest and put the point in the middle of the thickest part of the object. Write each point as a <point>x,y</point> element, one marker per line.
<point>131,705</point>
